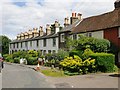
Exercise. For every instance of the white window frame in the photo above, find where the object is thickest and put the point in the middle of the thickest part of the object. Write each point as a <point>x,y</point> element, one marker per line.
<point>88,34</point>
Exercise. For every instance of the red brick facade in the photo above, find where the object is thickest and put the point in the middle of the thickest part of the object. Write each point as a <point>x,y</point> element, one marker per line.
<point>112,35</point>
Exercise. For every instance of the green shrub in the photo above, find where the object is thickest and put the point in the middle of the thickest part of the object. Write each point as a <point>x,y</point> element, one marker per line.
<point>115,69</point>
<point>39,53</point>
<point>96,45</point>
<point>61,54</point>
<point>33,53</point>
<point>47,64</point>
<point>9,58</point>
<point>86,53</point>
<point>104,61</point>
<point>5,55</point>
<point>49,56</point>
<point>17,60</point>
<point>101,45</point>
<point>42,56</point>
<point>20,54</point>
<point>32,61</point>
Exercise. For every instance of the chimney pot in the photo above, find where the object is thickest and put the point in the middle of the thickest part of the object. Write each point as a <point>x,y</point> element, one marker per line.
<point>48,29</point>
<point>72,14</point>
<point>66,22</point>
<point>79,16</point>
<point>75,14</point>
<point>41,31</point>
<point>56,24</point>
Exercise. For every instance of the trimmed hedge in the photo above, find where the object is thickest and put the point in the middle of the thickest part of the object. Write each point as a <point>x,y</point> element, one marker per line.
<point>105,62</point>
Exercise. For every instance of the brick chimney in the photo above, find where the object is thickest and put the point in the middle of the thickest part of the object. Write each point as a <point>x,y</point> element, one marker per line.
<point>73,19</point>
<point>41,31</point>
<point>18,37</point>
<point>57,25</point>
<point>35,32</point>
<point>30,34</point>
<point>22,36</point>
<point>117,4</point>
<point>79,16</point>
<point>26,35</point>
<point>48,29</point>
<point>66,22</point>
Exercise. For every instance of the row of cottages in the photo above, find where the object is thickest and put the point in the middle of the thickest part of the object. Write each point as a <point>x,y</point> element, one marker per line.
<point>37,40</point>
<point>105,26</point>
<point>46,42</point>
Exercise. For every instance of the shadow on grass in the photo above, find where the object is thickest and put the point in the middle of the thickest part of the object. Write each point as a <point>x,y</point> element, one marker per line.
<point>115,75</point>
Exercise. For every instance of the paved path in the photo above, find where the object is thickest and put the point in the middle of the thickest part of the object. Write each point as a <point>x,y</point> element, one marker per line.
<point>86,81</point>
<point>101,80</point>
<point>16,76</point>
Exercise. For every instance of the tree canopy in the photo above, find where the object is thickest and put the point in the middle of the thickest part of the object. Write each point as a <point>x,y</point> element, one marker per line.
<point>4,44</point>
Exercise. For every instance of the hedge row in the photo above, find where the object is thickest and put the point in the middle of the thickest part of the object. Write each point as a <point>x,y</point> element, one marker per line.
<point>105,62</point>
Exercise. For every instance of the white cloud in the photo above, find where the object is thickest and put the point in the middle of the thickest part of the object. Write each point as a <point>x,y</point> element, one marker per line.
<point>16,19</point>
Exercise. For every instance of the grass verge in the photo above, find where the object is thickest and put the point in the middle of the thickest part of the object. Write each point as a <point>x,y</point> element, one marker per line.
<point>53,73</point>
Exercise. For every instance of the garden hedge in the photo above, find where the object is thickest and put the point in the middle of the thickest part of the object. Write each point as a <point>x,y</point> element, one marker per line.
<point>105,62</point>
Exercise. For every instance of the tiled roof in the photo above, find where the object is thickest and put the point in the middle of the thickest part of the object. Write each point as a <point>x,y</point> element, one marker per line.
<point>70,27</point>
<point>35,38</point>
<point>107,20</point>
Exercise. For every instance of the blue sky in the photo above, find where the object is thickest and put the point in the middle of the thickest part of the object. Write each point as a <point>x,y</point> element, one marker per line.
<point>21,15</point>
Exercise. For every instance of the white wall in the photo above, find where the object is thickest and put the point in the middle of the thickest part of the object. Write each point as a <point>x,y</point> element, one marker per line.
<point>49,45</point>
<point>96,34</point>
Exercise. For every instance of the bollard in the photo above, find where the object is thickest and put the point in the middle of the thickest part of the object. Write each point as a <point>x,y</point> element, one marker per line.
<point>38,67</point>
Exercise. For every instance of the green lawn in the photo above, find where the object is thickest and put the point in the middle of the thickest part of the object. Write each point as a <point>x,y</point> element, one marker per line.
<point>53,73</point>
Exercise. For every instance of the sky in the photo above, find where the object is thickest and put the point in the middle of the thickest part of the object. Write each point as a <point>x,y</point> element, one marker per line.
<point>18,16</point>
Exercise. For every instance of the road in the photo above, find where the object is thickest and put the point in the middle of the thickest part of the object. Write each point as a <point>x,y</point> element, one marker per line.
<point>16,76</point>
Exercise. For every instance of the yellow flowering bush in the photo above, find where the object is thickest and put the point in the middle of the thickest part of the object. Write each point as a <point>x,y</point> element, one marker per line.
<point>75,64</point>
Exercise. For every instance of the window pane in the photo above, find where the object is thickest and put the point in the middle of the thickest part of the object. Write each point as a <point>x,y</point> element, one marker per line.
<point>31,43</point>
<point>54,42</point>
<point>37,43</point>
<point>44,42</point>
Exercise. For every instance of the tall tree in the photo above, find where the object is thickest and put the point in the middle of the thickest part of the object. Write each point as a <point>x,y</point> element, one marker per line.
<point>4,44</point>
